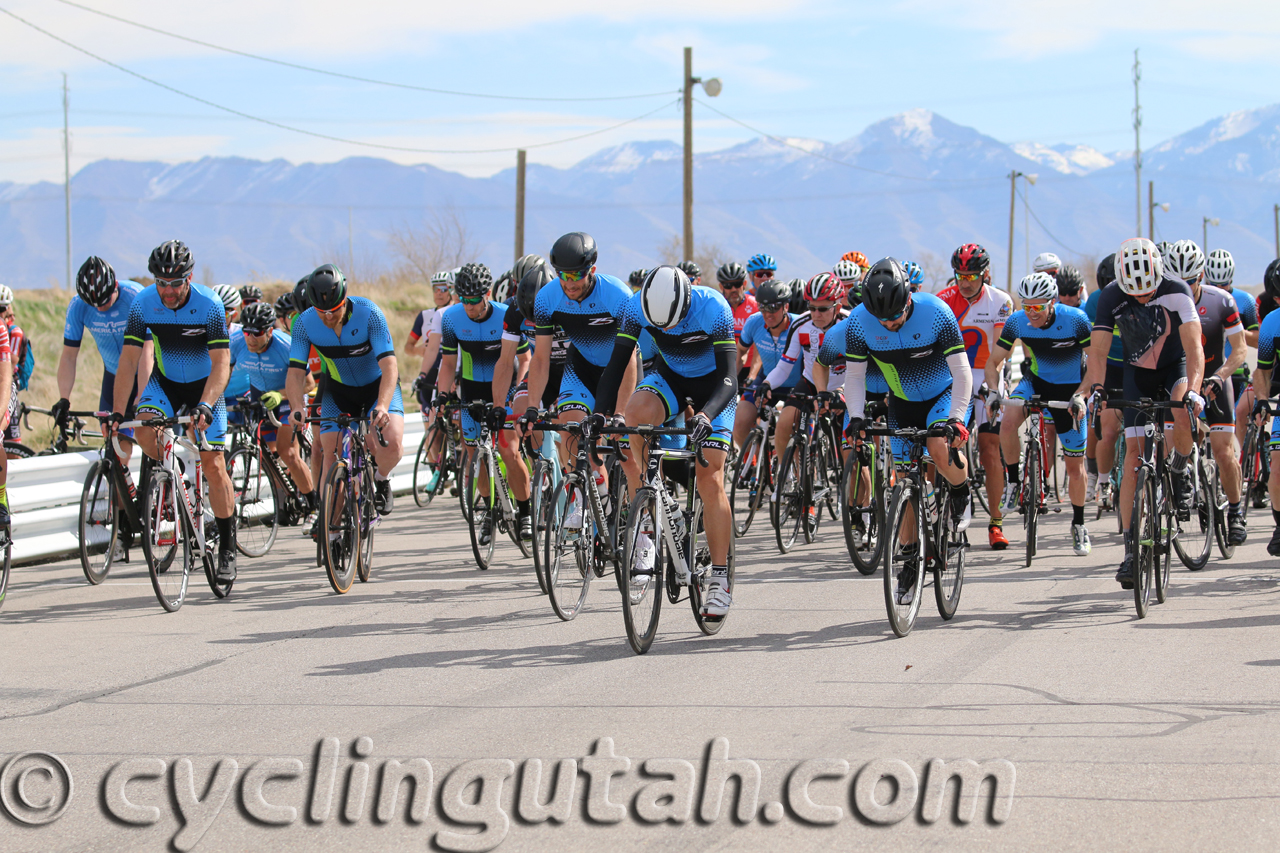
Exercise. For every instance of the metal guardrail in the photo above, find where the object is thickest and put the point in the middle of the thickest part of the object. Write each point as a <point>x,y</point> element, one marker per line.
<point>44,496</point>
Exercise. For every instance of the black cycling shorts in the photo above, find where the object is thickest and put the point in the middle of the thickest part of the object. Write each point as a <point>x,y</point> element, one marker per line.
<point>1156,384</point>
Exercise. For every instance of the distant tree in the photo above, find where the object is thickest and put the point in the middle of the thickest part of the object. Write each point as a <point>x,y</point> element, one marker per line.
<point>708,256</point>
<point>444,242</point>
<point>937,272</point>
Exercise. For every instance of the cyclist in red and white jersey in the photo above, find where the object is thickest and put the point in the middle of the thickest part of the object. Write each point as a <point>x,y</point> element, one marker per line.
<point>733,286</point>
<point>981,311</point>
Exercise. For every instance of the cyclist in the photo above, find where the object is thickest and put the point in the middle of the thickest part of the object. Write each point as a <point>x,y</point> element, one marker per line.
<point>285,312</point>
<point>693,271</point>
<point>238,384</point>
<point>362,378</point>
<point>250,293</point>
<point>188,325</point>
<point>856,258</point>
<point>1163,360</point>
<point>1056,336</point>
<point>823,293</point>
<point>915,276</point>
<point>424,336</point>
<point>1100,453</point>
<point>6,392</point>
<point>693,330</point>
<point>1047,262</point>
<point>17,344</point>
<point>585,305</point>
<point>1263,378</point>
<point>1071,286</point>
<point>767,332</point>
<point>518,333</point>
<point>102,305</point>
<point>262,352</point>
<point>636,279</point>
<point>471,340</point>
<point>1219,321</point>
<point>981,311</point>
<point>760,268</point>
<point>733,286</point>
<point>915,340</point>
<point>1219,272</point>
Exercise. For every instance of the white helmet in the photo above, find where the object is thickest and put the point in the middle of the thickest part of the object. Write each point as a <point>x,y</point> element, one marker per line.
<point>1184,260</point>
<point>665,296</point>
<point>231,298</point>
<point>1139,269</point>
<point>1047,262</point>
<point>1220,268</point>
<point>1038,285</point>
<point>443,277</point>
<point>848,272</point>
<point>6,296</point>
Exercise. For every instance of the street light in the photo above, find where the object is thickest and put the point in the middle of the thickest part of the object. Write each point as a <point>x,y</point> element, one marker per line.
<point>1152,204</point>
<point>1013,195</point>
<point>712,87</point>
<point>1208,220</point>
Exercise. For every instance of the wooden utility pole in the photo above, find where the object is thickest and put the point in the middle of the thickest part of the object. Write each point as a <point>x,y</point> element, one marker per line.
<point>520,162</point>
<point>688,153</point>
<point>1137,143</point>
<point>1013,195</point>
<point>66,169</point>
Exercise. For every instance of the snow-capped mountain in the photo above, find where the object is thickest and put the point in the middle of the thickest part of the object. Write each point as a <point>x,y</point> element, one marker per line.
<point>1066,159</point>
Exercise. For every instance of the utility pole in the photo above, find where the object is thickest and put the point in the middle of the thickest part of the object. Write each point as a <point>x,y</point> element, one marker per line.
<point>1137,141</point>
<point>1151,211</point>
<point>66,169</point>
<point>520,161</point>
<point>1013,196</point>
<point>688,153</point>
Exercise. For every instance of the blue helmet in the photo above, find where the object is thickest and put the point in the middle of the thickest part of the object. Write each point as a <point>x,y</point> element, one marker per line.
<point>762,262</point>
<point>915,275</point>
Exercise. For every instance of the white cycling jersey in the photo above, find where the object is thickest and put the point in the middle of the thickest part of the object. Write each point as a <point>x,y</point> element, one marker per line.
<point>803,342</point>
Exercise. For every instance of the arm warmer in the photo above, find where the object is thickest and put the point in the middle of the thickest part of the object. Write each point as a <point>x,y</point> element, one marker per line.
<point>855,388</point>
<point>726,380</point>
<point>962,388</point>
<point>611,379</point>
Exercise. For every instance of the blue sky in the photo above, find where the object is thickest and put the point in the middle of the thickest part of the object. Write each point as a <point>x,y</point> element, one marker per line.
<point>1052,71</point>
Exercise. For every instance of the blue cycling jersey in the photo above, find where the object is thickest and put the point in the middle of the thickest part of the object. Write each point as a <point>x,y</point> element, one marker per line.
<point>353,360</point>
<point>688,348</point>
<point>755,332</point>
<point>1248,318</point>
<point>1057,350</point>
<point>1269,342</point>
<point>238,384</point>
<point>183,336</point>
<point>107,327</point>
<point>914,358</point>
<point>265,370</point>
<point>831,353</point>
<point>590,325</point>
<point>478,345</point>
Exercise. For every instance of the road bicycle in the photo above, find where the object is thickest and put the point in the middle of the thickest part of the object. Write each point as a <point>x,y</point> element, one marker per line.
<point>174,512</point>
<point>919,511</point>
<point>440,454</point>
<point>662,547</point>
<point>487,502</point>
<point>865,480</point>
<point>266,498</point>
<point>544,479</point>
<point>753,471</point>
<point>807,480</point>
<point>1255,458</point>
<point>1108,498</point>
<point>1036,461</point>
<point>348,515</point>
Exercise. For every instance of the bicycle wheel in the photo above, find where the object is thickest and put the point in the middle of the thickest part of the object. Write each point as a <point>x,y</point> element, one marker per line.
<point>977,474</point>
<point>862,541</point>
<point>903,559</point>
<point>18,450</point>
<point>257,502</point>
<point>1143,526</point>
<point>483,509</point>
<point>831,474</point>
<point>99,523</point>
<point>644,559</point>
<point>1195,539</point>
<point>368,522</point>
<point>948,559</point>
<point>340,529</point>
<point>1032,478</point>
<point>744,485</point>
<point>813,475</point>
<point>787,507</point>
<point>160,535</point>
<point>569,550</point>
<point>702,570</point>
<point>1249,468</point>
<point>209,559</point>
<point>1165,527</point>
<point>6,566</point>
<point>426,473</point>
<point>541,505</point>
<point>1218,499</point>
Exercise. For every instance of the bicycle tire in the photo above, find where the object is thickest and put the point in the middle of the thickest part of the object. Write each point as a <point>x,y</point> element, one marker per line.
<point>746,480</point>
<point>1194,552</point>
<point>257,501</point>
<point>1165,525</point>
<point>541,505</point>
<point>1143,526</point>
<point>815,479</point>
<point>525,547</point>
<point>18,450</point>
<point>1221,526</point>
<point>833,468</point>
<point>787,508</point>
<point>209,559</point>
<point>423,469</point>
<point>865,561</point>
<point>340,553</point>
<point>480,460</point>
<point>99,523</point>
<point>368,523</point>
<point>901,620</point>
<point>977,474</point>
<point>567,585</point>
<point>1031,478</point>
<point>5,567</point>
<point>709,627</point>
<point>642,591</point>
<point>160,536</point>
<point>948,560</point>
<point>1248,468</point>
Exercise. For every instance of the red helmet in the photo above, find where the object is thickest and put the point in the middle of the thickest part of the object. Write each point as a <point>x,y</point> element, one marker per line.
<point>824,285</point>
<point>970,259</point>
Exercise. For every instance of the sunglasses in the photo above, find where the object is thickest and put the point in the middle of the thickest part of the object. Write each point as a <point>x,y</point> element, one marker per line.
<point>894,318</point>
<point>578,275</point>
<point>762,274</point>
<point>965,277</point>
<point>1035,309</point>
<point>772,309</point>
<point>441,288</point>
<point>814,309</point>
<point>472,300</point>
<point>335,309</point>
<point>256,333</point>
<point>732,285</point>
<point>171,283</point>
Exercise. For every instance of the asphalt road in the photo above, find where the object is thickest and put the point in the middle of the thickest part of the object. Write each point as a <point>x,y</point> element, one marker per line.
<point>1108,732</point>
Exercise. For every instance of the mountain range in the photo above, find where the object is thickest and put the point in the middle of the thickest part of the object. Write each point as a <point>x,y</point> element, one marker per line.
<point>914,185</point>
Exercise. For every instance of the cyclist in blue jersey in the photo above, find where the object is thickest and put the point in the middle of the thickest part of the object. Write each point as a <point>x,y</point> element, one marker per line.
<point>238,385</point>
<point>1056,337</point>
<point>1264,380</point>
<point>188,326</point>
<point>362,376</point>
<point>915,340</point>
<point>101,305</point>
<point>262,352</point>
<point>1250,319</point>
<point>472,343</point>
<point>766,330</point>
<point>692,328</point>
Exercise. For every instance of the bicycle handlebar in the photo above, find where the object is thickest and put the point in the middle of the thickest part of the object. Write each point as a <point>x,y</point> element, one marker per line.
<point>162,423</point>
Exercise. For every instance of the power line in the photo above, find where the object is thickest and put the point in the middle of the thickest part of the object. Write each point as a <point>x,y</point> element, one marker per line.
<point>311,133</point>
<point>354,77</point>
<point>1045,229</point>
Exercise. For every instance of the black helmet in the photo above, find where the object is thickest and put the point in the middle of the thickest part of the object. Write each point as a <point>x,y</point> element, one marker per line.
<point>301,302</point>
<point>284,305</point>
<point>326,287</point>
<point>853,293</point>
<point>637,278</point>
<point>522,267</point>
<point>773,292</point>
<point>798,303</point>
<point>473,280</point>
<point>692,270</point>
<point>250,294</point>
<point>1070,280</point>
<point>96,281</point>
<point>258,317</point>
<point>574,252</point>
<point>731,272</point>
<point>1106,270</point>
<point>1271,279</point>
<point>171,260</point>
<point>527,290</point>
<point>886,289</point>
